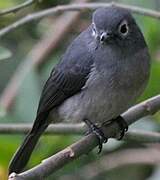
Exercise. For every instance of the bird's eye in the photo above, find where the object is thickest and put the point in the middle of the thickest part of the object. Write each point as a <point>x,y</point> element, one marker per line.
<point>123,28</point>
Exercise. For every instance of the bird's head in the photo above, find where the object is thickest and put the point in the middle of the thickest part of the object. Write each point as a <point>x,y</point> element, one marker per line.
<point>114,24</point>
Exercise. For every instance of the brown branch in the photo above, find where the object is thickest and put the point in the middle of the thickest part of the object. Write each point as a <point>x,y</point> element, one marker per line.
<point>17,8</point>
<point>86,144</point>
<point>114,160</point>
<point>75,7</point>
<point>38,54</point>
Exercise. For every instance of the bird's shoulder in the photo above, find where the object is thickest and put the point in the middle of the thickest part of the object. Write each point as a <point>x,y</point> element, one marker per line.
<point>70,75</point>
<point>79,52</point>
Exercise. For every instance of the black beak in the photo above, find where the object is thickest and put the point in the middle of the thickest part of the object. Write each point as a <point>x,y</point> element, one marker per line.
<point>105,36</point>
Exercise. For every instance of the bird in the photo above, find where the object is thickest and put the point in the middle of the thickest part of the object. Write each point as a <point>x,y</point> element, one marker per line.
<point>102,73</point>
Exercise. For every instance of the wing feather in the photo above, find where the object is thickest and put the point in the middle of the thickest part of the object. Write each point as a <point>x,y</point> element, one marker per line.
<point>61,85</point>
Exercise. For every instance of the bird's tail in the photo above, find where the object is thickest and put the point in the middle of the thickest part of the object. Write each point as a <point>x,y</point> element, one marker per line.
<point>24,152</point>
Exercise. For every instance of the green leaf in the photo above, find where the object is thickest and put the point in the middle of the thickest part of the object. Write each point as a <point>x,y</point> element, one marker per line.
<point>4,53</point>
<point>2,112</point>
<point>153,87</point>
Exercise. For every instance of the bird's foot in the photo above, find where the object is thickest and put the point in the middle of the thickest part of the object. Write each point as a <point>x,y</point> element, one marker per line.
<point>122,125</point>
<point>98,132</point>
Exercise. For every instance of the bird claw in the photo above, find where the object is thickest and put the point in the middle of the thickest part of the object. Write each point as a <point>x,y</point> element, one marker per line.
<point>122,125</point>
<point>98,132</point>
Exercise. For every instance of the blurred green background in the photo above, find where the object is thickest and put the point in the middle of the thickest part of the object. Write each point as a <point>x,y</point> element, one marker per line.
<point>14,50</point>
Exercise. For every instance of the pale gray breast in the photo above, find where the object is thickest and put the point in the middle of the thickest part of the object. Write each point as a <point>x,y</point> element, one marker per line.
<point>106,95</point>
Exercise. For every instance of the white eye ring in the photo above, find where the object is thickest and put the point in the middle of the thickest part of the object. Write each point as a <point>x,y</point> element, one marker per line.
<point>123,28</point>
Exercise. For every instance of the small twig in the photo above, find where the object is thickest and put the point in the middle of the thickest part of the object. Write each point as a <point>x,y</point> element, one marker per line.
<point>50,40</point>
<point>75,7</point>
<point>60,128</point>
<point>17,8</point>
<point>114,160</point>
<point>142,136</point>
<point>87,143</point>
<point>78,129</point>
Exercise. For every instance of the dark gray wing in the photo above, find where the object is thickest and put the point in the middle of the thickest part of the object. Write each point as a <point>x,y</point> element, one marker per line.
<point>62,84</point>
<point>67,78</point>
<point>70,75</point>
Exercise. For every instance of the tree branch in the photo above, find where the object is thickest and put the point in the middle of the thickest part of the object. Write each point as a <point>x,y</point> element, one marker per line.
<point>114,160</point>
<point>17,8</point>
<point>78,129</point>
<point>73,7</point>
<point>60,128</point>
<point>86,144</point>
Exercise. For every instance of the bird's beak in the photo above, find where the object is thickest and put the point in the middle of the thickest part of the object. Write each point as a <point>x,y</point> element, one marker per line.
<point>105,36</point>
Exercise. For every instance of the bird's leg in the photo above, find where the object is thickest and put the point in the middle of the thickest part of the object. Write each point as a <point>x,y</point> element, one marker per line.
<point>98,132</point>
<point>122,125</point>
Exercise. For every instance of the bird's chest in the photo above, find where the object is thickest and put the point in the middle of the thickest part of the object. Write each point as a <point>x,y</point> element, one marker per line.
<point>109,94</point>
<point>104,96</point>
<point>102,104</point>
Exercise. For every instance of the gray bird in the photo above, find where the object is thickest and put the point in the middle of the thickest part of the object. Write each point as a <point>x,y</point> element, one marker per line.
<point>102,73</point>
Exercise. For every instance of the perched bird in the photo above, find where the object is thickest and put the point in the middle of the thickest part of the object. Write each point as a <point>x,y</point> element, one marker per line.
<point>101,74</point>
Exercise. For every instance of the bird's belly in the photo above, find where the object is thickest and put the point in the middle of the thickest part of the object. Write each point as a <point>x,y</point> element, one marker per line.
<point>97,105</point>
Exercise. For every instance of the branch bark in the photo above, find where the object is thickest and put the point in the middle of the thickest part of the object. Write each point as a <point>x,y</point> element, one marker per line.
<point>17,8</point>
<point>75,7</point>
<point>86,144</point>
<point>92,170</point>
